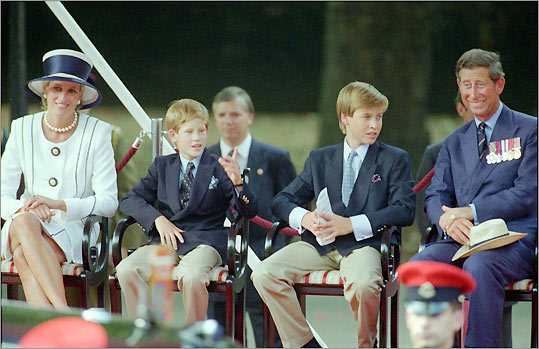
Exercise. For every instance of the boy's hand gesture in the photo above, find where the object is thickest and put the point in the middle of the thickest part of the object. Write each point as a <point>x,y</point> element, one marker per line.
<point>168,232</point>
<point>232,169</point>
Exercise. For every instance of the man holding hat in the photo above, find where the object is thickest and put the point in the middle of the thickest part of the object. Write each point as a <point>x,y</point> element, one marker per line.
<point>433,313</point>
<point>483,196</point>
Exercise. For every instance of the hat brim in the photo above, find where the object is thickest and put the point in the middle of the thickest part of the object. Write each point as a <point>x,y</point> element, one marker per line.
<point>466,251</point>
<point>90,98</point>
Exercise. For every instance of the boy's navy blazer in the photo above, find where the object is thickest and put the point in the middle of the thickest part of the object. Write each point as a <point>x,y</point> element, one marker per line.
<point>202,219</point>
<point>383,191</point>
<point>506,190</point>
<point>271,171</point>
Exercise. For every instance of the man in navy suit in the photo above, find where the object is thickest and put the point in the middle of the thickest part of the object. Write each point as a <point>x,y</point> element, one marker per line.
<point>271,171</point>
<point>481,175</point>
<point>193,190</point>
<point>369,185</point>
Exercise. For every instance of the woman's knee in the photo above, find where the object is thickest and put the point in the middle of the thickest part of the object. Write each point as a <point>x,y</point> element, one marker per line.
<point>25,226</point>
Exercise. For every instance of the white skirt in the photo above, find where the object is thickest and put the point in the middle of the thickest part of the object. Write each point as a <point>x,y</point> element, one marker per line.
<point>63,234</point>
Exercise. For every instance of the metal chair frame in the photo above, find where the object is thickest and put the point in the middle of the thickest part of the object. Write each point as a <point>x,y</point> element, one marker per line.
<point>233,286</point>
<point>95,263</point>
<point>390,250</point>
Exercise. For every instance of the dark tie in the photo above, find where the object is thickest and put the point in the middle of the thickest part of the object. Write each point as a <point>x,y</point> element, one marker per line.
<point>481,140</point>
<point>187,183</point>
<point>230,153</point>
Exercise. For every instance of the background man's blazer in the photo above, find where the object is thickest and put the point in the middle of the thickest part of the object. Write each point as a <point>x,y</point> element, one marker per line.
<point>202,219</point>
<point>271,171</point>
<point>383,191</point>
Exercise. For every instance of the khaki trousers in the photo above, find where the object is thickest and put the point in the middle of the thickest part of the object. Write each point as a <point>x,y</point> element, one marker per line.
<point>361,272</point>
<point>134,272</point>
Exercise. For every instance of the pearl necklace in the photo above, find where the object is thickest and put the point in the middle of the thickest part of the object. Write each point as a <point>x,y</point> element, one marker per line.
<point>60,130</point>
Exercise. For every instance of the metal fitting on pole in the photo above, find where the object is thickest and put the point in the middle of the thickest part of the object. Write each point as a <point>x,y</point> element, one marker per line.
<point>157,137</point>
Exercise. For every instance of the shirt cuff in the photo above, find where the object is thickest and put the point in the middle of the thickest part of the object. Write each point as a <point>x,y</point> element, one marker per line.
<point>362,227</point>
<point>295,217</point>
<point>475,221</point>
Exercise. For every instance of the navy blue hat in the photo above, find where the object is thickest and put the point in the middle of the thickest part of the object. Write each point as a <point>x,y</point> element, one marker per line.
<point>66,65</point>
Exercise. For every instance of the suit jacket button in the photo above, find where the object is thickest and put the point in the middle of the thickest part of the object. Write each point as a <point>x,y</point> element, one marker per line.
<point>53,182</point>
<point>55,151</point>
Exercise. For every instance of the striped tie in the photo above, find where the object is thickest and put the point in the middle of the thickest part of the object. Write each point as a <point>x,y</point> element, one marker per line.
<point>187,182</point>
<point>348,178</point>
<point>481,140</point>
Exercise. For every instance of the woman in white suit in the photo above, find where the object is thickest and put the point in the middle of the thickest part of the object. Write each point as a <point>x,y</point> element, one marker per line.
<point>67,161</point>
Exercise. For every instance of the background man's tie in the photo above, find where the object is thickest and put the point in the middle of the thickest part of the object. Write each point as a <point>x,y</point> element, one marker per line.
<point>481,140</point>
<point>187,183</point>
<point>348,178</point>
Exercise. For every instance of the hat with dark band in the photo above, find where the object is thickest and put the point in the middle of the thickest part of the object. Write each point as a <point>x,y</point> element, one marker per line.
<point>488,235</point>
<point>432,286</point>
<point>66,65</point>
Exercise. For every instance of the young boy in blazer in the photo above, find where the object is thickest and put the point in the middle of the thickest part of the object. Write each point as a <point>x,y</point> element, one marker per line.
<point>369,185</point>
<point>193,190</point>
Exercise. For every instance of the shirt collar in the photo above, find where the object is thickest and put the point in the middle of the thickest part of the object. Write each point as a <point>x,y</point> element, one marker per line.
<point>243,148</point>
<point>361,151</point>
<point>185,161</point>
<point>491,122</point>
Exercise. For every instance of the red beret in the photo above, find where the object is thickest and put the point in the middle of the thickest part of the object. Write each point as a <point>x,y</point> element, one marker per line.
<point>65,332</point>
<point>434,281</point>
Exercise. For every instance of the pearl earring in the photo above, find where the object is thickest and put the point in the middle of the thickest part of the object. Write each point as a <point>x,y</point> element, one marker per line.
<point>78,102</point>
<point>45,96</point>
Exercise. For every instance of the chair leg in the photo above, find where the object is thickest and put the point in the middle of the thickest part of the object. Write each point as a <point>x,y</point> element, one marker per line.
<point>534,319</point>
<point>229,311</point>
<point>84,299</point>
<point>240,315</point>
<point>101,295</point>
<point>395,321</point>
<point>13,292</point>
<point>465,311</point>
<point>383,320</point>
<point>269,328</point>
<point>115,296</point>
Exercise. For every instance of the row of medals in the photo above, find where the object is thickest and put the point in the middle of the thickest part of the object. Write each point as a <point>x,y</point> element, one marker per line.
<point>504,150</point>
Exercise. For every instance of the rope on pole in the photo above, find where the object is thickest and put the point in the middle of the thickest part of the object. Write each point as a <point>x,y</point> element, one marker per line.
<point>104,68</point>
<point>134,148</point>
<point>424,182</point>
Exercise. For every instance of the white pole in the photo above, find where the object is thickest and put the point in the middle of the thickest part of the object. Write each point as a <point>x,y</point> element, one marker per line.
<point>104,69</point>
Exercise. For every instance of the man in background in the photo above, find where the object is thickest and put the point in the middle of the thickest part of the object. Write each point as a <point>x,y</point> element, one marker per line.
<point>271,171</point>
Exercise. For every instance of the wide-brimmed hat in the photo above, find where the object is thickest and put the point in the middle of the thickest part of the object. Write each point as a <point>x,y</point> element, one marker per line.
<point>488,235</point>
<point>66,65</point>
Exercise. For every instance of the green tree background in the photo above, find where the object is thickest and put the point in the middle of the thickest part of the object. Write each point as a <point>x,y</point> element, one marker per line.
<point>295,56</point>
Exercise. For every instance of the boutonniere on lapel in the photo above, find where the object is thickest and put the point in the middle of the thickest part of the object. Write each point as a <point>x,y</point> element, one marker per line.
<point>376,178</point>
<point>213,183</point>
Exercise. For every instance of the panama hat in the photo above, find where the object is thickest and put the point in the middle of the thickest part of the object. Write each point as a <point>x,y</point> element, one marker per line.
<point>488,235</point>
<point>66,65</point>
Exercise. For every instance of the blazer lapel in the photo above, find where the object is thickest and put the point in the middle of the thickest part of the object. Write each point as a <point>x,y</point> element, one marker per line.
<point>254,155</point>
<point>333,175</point>
<point>503,129</point>
<point>468,145</point>
<point>173,184</point>
<point>363,182</point>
